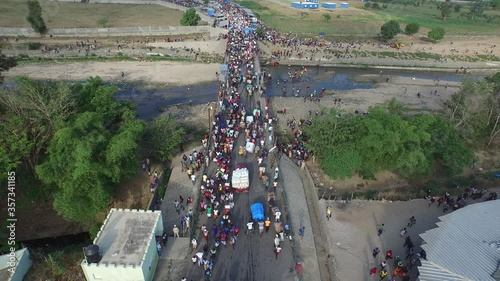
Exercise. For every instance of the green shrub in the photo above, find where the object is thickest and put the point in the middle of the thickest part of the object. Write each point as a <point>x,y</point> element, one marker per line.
<point>412,28</point>
<point>34,45</point>
<point>368,5</point>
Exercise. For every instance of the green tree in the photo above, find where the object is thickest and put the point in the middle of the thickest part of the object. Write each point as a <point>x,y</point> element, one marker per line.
<point>190,18</point>
<point>347,144</point>
<point>390,29</point>
<point>457,8</point>
<point>42,108</point>
<point>327,17</point>
<point>495,4</point>
<point>165,136</point>
<point>14,144</point>
<point>475,110</point>
<point>478,7</point>
<point>35,17</point>
<point>92,152</point>
<point>445,8</point>
<point>448,146</point>
<point>412,28</point>
<point>6,63</point>
<point>103,21</point>
<point>436,33</point>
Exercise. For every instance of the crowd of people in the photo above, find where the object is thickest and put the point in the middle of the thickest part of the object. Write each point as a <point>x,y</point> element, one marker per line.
<point>236,116</point>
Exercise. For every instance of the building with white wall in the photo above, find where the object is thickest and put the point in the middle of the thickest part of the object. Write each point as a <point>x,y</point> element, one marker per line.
<point>127,244</point>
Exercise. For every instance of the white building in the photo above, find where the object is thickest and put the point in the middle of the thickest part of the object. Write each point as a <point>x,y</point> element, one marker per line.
<point>127,244</point>
<point>465,246</point>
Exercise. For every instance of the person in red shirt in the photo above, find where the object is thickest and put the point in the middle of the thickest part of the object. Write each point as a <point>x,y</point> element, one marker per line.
<point>373,271</point>
<point>189,201</point>
<point>388,255</point>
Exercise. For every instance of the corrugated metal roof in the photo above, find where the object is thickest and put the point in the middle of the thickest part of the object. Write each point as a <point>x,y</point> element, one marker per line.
<point>459,248</point>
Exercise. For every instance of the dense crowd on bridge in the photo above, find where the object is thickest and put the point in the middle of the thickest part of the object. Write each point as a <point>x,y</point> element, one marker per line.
<point>237,116</point>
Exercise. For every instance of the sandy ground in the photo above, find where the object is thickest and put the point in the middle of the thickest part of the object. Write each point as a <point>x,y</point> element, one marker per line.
<point>177,73</point>
<point>352,233</point>
<point>403,89</point>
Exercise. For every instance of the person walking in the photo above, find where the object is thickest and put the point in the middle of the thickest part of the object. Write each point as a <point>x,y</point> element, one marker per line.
<point>328,213</point>
<point>199,256</point>
<point>412,221</point>
<point>383,264</point>
<point>388,255</point>
<point>277,251</point>
<point>407,241</point>
<point>402,232</point>
<point>301,232</point>
<point>380,229</point>
<point>267,223</point>
<point>176,206</point>
<point>261,227</point>
<point>373,271</point>
<point>250,227</point>
<point>383,274</point>
<point>176,231</point>
<point>375,252</point>
<point>276,241</point>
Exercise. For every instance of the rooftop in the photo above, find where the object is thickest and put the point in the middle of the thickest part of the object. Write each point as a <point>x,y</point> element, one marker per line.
<point>125,236</point>
<point>463,246</point>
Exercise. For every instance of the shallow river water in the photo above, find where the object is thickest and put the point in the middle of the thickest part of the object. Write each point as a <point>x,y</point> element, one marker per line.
<point>314,79</point>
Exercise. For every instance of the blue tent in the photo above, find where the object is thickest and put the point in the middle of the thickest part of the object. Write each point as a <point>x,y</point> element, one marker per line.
<point>257,212</point>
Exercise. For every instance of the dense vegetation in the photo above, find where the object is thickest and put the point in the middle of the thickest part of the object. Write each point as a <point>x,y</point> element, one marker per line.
<point>190,18</point>
<point>76,142</point>
<point>410,145</point>
<point>35,17</point>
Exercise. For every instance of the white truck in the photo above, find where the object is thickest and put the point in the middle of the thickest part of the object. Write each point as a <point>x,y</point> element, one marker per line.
<point>240,179</point>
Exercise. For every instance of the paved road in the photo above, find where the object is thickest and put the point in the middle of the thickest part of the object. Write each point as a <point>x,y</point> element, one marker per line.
<point>253,257</point>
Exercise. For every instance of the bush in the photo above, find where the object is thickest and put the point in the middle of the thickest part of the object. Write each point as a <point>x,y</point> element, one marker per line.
<point>375,6</point>
<point>436,33</point>
<point>390,29</point>
<point>190,18</point>
<point>368,5</point>
<point>412,28</point>
<point>456,8</point>
<point>34,45</point>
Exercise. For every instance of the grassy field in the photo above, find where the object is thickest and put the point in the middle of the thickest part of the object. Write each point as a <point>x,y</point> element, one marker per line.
<point>69,15</point>
<point>360,21</point>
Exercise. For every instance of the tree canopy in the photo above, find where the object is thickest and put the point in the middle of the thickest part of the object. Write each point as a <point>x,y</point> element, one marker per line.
<point>35,17</point>
<point>475,109</point>
<point>164,135</point>
<point>445,8</point>
<point>436,33</point>
<point>347,144</point>
<point>190,18</point>
<point>412,28</point>
<point>390,29</point>
<point>93,151</point>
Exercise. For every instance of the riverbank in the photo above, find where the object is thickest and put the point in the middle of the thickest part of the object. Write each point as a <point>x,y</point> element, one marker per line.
<point>478,68</point>
<point>386,87</point>
<point>161,72</point>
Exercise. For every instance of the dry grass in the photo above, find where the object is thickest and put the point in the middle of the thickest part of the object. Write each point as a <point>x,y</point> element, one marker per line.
<point>78,15</point>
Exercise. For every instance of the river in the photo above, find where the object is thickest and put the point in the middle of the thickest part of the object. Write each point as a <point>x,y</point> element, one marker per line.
<point>150,101</point>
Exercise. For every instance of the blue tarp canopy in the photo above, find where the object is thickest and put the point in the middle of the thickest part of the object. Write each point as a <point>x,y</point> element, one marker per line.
<point>257,212</point>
